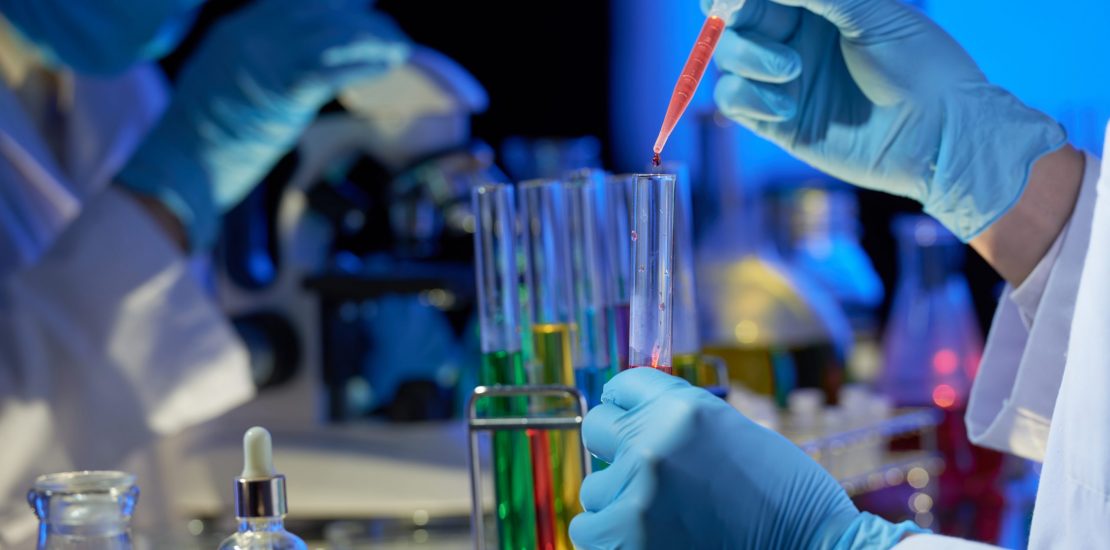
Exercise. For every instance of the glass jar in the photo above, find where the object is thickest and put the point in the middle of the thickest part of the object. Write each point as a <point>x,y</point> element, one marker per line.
<point>84,510</point>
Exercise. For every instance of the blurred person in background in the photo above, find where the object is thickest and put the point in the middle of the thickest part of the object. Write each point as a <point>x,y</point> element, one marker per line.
<point>111,186</point>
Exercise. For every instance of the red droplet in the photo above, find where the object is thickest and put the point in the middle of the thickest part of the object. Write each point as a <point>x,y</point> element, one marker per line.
<point>634,236</point>
<point>656,161</point>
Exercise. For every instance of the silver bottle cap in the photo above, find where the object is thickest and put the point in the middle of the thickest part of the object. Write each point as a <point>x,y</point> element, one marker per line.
<point>260,498</point>
<point>259,490</point>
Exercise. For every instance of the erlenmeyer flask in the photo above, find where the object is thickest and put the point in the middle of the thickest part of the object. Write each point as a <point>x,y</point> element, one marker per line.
<point>932,344</point>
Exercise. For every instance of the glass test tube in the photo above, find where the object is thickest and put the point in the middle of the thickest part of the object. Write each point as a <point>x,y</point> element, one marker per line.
<point>550,304</point>
<point>585,190</point>
<point>496,268</point>
<point>687,359</point>
<point>652,258</point>
<point>685,342</point>
<point>502,362</point>
<point>618,250</point>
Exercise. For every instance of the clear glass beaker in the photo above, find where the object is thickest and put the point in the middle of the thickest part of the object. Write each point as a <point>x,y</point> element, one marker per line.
<point>84,510</point>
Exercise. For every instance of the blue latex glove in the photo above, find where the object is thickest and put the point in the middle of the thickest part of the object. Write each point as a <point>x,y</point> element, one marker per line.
<point>689,471</point>
<point>874,93</point>
<point>101,36</point>
<point>244,98</point>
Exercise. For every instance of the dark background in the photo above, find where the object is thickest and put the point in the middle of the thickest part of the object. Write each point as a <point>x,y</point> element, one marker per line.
<point>546,68</point>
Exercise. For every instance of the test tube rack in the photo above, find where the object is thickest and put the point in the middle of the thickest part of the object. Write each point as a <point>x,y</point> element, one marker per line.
<point>861,458</point>
<point>477,424</point>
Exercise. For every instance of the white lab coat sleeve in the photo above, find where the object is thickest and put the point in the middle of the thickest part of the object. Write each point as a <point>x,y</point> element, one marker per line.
<point>106,343</point>
<point>938,542</point>
<point>1014,394</point>
<point>1073,499</point>
<point>40,194</point>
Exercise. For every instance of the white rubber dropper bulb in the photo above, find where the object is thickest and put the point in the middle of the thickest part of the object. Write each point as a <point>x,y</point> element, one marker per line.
<point>258,454</point>
<point>725,8</point>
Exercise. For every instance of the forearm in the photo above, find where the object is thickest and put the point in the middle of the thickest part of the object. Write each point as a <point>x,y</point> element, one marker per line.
<point>1015,244</point>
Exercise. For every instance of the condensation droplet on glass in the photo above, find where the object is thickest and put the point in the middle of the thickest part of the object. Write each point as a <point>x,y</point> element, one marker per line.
<point>662,306</point>
<point>666,272</point>
<point>642,269</point>
<point>634,236</point>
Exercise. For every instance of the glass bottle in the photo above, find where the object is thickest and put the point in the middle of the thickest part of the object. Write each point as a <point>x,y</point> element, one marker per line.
<point>260,504</point>
<point>775,329</point>
<point>84,510</point>
<point>818,232</point>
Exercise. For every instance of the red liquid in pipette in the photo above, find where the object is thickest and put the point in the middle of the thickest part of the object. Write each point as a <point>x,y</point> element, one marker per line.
<point>689,79</point>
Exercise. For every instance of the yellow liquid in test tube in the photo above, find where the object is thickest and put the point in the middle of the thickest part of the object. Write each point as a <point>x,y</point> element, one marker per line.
<point>552,352</point>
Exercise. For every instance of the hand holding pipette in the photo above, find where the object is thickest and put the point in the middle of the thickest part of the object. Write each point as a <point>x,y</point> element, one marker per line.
<point>876,94</point>
<point>694,69</point>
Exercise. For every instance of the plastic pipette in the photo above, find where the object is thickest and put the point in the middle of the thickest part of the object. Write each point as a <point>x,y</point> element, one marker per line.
<point>694,69</point>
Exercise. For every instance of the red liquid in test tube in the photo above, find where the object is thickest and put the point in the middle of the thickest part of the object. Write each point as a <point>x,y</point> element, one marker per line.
<point>544,492</point>
<point>649,342</point>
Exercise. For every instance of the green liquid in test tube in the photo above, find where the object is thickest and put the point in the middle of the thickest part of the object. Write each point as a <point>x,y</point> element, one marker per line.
<point>503,363</point>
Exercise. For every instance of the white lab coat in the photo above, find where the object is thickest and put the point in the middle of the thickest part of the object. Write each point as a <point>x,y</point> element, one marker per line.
<point>1043,390</point>
<point>106,338</point>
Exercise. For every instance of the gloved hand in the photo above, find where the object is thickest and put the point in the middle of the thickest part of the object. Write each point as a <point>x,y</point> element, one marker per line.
<point>102,37</point>
<point>874,93</point>
<point>244,98</point>
<point>689,471</point>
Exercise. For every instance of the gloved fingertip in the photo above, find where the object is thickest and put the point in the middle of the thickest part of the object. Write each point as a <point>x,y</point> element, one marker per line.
<point>788,64</point>
<point>726,93</point>
<point>744,100</point>
<point>581,529</point>
<point>601,430</point>
<point>782,105</point>
<point>758,59</point>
